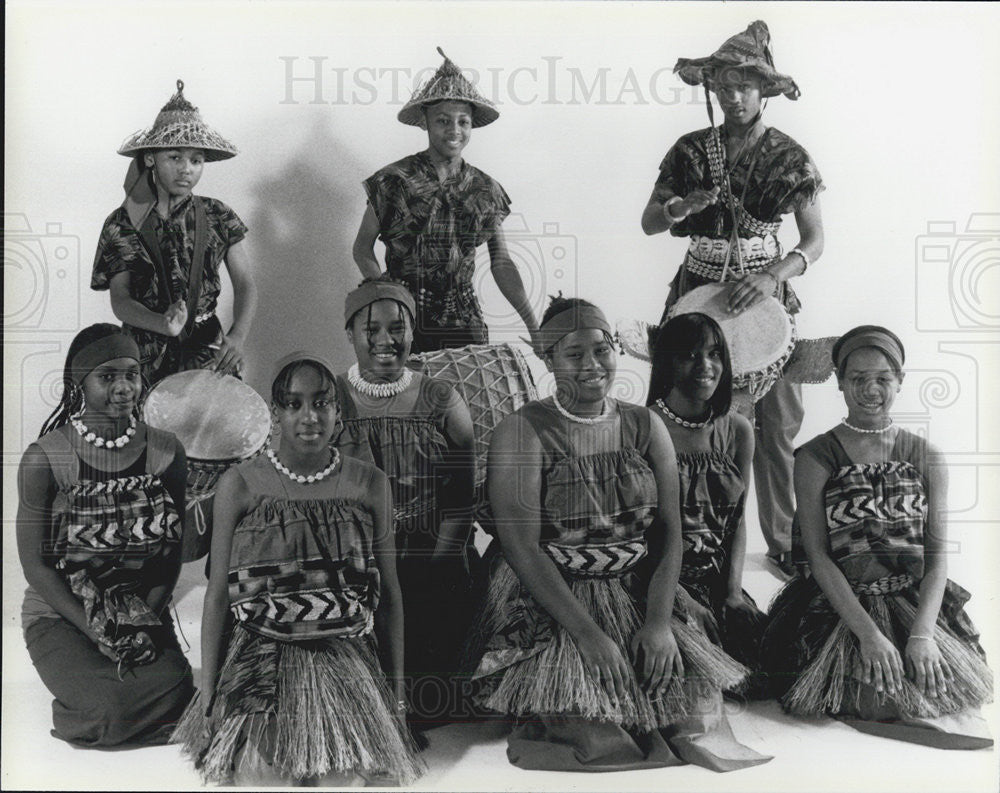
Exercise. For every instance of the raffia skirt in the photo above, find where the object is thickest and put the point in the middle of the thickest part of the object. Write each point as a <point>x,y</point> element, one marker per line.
<point>567,720</point>
<point>813,664</point>
<point>298,709</point>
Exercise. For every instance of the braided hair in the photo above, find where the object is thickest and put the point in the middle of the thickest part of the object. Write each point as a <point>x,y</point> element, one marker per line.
<point>403,311</point>
<point>71,402</point>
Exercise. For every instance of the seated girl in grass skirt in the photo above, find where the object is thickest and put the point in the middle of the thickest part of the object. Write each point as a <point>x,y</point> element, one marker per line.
<point>690,390</point>
<point>98,535</point>
<point>876,636</point>
<point>303,556</point>
<point>418,431</point>
<point>600,669</point>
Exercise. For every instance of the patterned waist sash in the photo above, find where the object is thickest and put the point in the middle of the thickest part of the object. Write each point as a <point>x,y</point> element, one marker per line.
<point>596,561</point>
<point>707,257</point>
<point>885,585</point>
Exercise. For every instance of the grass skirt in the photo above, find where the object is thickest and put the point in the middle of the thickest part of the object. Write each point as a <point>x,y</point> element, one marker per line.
<point>308,709</point>
<point>549,676</point>
<point>813,658</point>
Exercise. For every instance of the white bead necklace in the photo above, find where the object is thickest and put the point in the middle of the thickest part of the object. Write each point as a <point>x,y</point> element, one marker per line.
<point>693,425</point>
<point>379,390</point>
<point>92,437</point>
<point>303,479</point>
<point>581,419</point>
<point>863,431</point>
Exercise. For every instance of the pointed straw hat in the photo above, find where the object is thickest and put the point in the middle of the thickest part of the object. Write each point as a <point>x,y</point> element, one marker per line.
<point>448,83</point>
<point>750,49</point>
<point>179,125</point>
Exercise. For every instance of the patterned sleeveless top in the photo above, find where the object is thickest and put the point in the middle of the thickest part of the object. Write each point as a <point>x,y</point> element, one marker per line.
<point>409,449</point>
<point>875,512</point>
<point>595,507</point>
<point>302,564</point>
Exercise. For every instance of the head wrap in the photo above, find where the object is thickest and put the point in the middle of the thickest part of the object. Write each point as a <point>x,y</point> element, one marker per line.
<point>448,83</point>
<point>577,317</point>
<point>374,290</point>
<point>177,125</point>
<point>750,49</point>
<point>300,356</point>
<point>875,336</point>
<point>108,348</point>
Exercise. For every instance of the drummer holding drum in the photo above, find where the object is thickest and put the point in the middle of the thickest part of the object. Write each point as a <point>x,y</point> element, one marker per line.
<point>726,189</point>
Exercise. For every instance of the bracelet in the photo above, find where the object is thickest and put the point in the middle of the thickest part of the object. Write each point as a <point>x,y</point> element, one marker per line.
<point>401,705</point>
<point>666,209</point>
<point>806,261</point>
<point>920,636</point>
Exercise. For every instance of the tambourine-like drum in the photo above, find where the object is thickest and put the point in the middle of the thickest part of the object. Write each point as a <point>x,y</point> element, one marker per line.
<point>220,421</point>
<point>761,338</point>
<point>494,380</point>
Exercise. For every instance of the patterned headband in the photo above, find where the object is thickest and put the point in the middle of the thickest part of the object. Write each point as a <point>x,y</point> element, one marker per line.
<point>117,345</point>
<point>300,356</point>
<point>869,336</point>
<point>569,320</point>
<point>372,291</point>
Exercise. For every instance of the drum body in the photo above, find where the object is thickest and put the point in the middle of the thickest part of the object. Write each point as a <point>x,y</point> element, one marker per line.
<point>494,380</point>
<point>220,421</point>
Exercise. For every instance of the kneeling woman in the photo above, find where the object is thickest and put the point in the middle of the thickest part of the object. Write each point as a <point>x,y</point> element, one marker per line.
<point>690,389</point>
<point>98,534</point>
<point>602,672</point>
<point>303,555</point>
<point>877,636</point>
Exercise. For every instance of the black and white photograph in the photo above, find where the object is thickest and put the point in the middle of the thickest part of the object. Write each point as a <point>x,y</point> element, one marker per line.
<point>502,395</point>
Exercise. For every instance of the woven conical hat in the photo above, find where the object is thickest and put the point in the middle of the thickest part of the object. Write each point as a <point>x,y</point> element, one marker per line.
<point>179,125</point>
<point>447,83</point>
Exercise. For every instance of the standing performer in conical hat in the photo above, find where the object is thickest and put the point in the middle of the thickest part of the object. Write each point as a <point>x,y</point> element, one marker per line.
<point>726,189</point>
<point>432,210</point>
<point>159,252</point>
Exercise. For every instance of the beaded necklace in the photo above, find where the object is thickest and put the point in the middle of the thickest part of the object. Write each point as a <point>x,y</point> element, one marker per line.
<point>864,431</point>
<point>581,419</point>
<point>93,438</point>
<point>379,390</point>
<point>304,479</point>
<point>693,425</point>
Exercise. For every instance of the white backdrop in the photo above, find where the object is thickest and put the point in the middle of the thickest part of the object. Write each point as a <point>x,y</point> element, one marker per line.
<point>900,110</point>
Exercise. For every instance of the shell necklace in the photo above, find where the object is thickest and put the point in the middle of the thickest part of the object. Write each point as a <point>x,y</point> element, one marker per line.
<point>379,390</point>
<point>693,425</point>
<point>303,479</point>
<point>92,437</point>
<point>581,419</point>
<point>863,431</point>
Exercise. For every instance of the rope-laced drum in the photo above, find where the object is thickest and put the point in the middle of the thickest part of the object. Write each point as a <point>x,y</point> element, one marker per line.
<point>494,380</point>
<point>220,421</point>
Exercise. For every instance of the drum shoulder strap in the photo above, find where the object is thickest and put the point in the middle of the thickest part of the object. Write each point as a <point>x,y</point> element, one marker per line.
<point>160,449</point>
<point>63,460</point>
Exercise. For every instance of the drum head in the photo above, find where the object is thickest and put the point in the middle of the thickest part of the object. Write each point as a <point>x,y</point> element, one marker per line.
<point>757,337</point>
<point>216,417</point>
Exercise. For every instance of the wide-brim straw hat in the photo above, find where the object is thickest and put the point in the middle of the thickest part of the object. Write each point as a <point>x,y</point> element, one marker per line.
<point>749,50</point>
<point>448,83</point>
<point>179,125</point>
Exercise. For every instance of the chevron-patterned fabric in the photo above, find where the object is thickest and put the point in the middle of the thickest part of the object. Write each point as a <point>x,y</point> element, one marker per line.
<point>597,561</point>
<point>308,614</point>
<point>876,507</point>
